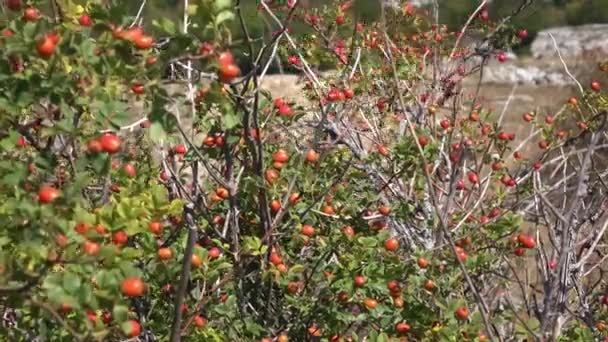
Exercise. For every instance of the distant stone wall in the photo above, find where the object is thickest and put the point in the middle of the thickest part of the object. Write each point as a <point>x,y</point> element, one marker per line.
<point>529,75</point>
<point>585,41</point>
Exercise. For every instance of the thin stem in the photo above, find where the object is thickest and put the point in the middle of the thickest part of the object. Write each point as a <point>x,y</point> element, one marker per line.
<point>184,274</point>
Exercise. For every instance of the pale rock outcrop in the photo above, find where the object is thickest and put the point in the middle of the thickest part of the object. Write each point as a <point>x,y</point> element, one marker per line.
<point>529,75</point>
<point>585,41</point>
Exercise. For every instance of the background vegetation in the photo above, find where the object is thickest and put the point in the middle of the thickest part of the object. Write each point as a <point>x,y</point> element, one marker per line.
<point>394,205</point>
<point>541,14</point>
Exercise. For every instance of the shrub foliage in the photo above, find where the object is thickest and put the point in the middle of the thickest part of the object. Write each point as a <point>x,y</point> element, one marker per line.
<point>150,189</point>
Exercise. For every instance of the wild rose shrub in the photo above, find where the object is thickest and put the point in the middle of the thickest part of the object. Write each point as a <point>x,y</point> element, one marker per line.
<point>390,207</point>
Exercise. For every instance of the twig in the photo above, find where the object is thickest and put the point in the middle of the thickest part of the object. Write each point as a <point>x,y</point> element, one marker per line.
<point>139,12</point>
<point>466,25</point>
<point>184,274</point>
<point>559,54</point>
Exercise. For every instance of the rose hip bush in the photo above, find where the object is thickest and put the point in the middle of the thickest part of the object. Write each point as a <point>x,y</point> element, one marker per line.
<point>391,207</point>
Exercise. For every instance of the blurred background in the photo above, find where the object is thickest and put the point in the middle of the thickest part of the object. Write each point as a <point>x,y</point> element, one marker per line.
<point>532,78</point>
<point>540,15</point>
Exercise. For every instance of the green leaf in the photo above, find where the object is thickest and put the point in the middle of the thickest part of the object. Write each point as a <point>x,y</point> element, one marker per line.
<point>166,25</point>
<point>159,195</point>
<point>231,120</point>
<point>367,241</point>
<point>253,327</point>
<point>252,245</point>
<point>120,118</point>
<point>15,177</point>
<point>134,227</point>
<point>52,281</point>
<point>382,338</point>
<point>71,282</point>
<point>124,210</point>
<point>126,327</point>
<point>297,268</point>
<point>173,208</point>
<point>107,279</point>
<point>4,240</point>
<point>221,5</point>
<point>29,31</point>
<point>128,270</point>
<point>120,313</point>
<point>99,163</point>
<point>192,9</point>
<point>131,253</point>
<point>223,16</point>
<point>157,132</point>
<point>107,253</point>
<point>233,139</point>
<point>85,295</point>
<point>9,142</point>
